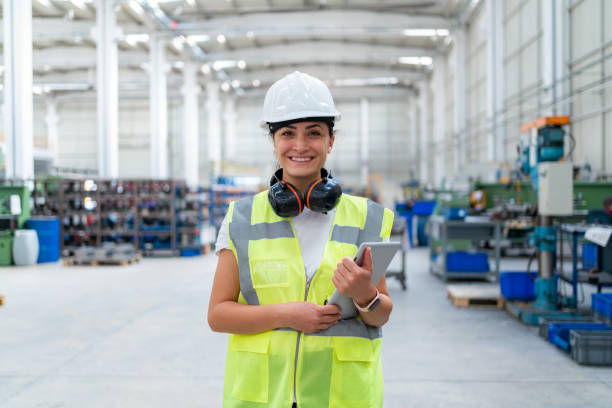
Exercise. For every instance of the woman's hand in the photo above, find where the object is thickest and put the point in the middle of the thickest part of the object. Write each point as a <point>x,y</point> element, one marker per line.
<point>308,317</point>
<point>355,281</point>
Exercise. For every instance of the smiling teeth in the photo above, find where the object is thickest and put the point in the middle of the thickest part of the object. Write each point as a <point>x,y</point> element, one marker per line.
<point>301,159</point>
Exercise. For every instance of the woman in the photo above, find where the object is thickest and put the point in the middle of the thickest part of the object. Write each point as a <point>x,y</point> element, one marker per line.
<point>282,253</point>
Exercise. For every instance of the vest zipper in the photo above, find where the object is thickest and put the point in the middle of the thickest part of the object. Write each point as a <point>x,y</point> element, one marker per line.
<point>299,338</point>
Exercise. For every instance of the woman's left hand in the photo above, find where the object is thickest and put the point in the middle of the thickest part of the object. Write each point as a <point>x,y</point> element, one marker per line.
<point>355,281</point>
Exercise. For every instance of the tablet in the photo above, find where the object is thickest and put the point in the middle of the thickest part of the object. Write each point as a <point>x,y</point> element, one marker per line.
<point>382,254</point>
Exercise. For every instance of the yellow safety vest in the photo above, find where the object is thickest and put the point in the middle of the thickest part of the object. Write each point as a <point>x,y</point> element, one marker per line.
<point>338,367</point>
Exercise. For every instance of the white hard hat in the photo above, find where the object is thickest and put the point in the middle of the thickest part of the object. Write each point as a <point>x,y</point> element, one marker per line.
<point>297,96</point>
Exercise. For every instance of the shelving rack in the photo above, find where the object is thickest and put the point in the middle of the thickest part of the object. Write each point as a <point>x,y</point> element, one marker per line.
<point>160,217</point>
<point>220,197</point>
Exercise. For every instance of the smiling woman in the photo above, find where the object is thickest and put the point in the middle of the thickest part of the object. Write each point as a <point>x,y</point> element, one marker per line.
<point>282,253</point>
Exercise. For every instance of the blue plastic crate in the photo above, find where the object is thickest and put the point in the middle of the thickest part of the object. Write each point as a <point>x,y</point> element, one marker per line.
<point>518,285</point>
<point>602,303</point>
<point>188,252</point>
<point>455,213</point>
<point>558,332</point>
<point>589,256</point>
<point>423,207</point>
<point>461,261</point>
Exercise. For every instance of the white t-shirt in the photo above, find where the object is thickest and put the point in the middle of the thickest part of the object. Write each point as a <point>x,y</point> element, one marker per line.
<point>312,230</point>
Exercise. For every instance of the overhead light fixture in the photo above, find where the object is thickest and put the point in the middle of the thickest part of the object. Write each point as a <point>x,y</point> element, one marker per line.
<point>45,3</point>
<point>242,64</point>
<point>256,83</point>
<point>235,83</point>
<point>223,64</point>
<point>136,7</point>
<point>250,34</point>
<point>225,87</point>
<point>425,32</point>
<point>197,38</point>
<point>80,3</point>
<point>366,81</point>
<point>178,43</point>
<point>134,39</point>
<point>78,39</point>
<point>178,64</point>
<point>221,39</point>
<point>415,60</point>
<point>191,3</point>
<point>206,69</point>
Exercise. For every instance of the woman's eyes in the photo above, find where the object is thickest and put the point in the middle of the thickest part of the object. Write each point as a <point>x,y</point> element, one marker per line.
<point>289,133</point>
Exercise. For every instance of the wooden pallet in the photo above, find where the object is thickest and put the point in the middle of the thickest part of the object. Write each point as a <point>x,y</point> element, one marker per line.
<point>475,295</point>
<point>71,261</point>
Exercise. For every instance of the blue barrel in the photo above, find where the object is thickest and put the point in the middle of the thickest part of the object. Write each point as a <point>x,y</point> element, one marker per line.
<point>48,230</point>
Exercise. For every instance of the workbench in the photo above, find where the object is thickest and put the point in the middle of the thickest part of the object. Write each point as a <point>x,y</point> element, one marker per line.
<point>443,230</point>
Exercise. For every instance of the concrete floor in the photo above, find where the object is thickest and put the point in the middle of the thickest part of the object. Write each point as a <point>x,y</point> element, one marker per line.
<point>135,336</point>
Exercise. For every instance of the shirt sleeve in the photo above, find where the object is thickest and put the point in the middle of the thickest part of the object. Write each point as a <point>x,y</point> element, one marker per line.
<point>223,237</point>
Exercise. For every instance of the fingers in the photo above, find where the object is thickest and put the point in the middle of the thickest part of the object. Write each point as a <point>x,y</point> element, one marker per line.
<point>331,309</point>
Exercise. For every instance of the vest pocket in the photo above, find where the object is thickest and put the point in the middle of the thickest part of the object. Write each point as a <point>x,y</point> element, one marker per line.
<point>352,376</point>
<point>251,366</point>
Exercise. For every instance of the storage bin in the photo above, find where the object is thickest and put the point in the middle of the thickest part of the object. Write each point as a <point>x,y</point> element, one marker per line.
<point>188,252</point>
<point>455,213</point>
<point>602,303</point>
<point>591,347</point>
<point>25,247</point>
<point>461,261</point>
<point>558,332</point>
<point>518,285</point>
<point>423,207</point>
<point>589,256</point>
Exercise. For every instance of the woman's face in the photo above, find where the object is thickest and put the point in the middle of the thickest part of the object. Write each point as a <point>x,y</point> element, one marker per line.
<point>302,148</point>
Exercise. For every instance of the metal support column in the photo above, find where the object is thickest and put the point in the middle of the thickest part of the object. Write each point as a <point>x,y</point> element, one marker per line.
<point>365,140</point>
<point>191,90</point>
<point>107,88</point>
<point>229,119</point>
<point>495,80</point>
<point>425,132</point>
<point>51,120</point>
<point>439,123</point>
<point>17,44</point>
<point>213,108</point>
<point>552,54</point>
<point>158,101</point>
<point>459,91</point>
<point>413,132</point>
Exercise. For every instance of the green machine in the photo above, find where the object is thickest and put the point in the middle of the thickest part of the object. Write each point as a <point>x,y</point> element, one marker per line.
<point>14,211</point>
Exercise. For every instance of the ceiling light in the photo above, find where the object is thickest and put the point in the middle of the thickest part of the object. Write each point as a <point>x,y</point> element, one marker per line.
<point>225,87</point>
<point>415,60</point>
<point>134,39</point>
<point>425,32</point>
<point>37,90</point>
<point>136,7</point>
<point>256,83</point>
<point>177,42</point>
<point>366,81</point>
<point>194,39</point>
<point>221,39</point>
<point>206,69</point>
<point>80,3</point>
<point>235,83</point>
<point>223,64</point>
<point>78,39</point>
<point>191,3</point>
<point>242,64</point>
<point>250,34</point>
<point>45,3</point>
<point>178,64</point>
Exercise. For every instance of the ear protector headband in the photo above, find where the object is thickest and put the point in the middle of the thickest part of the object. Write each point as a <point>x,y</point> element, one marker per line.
<point>322,195</point>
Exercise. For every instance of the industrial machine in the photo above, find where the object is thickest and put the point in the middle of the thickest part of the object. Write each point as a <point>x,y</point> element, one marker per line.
<point>542,158</point>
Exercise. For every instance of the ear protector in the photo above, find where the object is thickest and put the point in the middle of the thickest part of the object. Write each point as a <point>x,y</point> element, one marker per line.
<point>322,195</point>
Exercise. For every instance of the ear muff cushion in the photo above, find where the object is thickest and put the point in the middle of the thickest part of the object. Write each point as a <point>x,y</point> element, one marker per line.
<point>296,194</point>
<point>285,200</point>
<point>323,195</point>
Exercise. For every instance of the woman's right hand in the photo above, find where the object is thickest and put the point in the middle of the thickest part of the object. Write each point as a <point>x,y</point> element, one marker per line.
<point>310,318</point>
